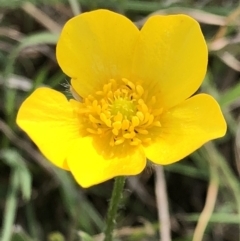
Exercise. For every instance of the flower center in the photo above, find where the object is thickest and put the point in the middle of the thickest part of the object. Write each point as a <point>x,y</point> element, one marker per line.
<point>123,111</point>
<point>124,106</point>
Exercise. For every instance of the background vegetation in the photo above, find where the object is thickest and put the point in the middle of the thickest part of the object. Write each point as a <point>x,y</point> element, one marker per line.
<point>40,202</point>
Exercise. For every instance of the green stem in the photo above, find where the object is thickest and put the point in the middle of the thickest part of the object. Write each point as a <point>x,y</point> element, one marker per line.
<point>113,207</point>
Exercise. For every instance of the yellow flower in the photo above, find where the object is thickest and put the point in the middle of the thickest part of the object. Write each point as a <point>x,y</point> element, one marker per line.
<point>132,97</point>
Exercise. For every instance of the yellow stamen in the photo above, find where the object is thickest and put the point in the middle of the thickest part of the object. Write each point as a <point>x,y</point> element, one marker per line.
<point>125,124</point>
<point>129,135</point>
<point>135,142</point>
<point>117,125</point>
<point>119,141</point>
<point>135,121</point>
<point>122,109</point>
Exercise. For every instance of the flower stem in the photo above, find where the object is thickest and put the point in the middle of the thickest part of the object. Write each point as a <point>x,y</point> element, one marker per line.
<point>113,207</point>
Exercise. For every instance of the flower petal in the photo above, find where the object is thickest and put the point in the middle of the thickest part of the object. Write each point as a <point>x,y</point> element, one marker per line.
<point>47,117</point>
<point>90,166</point>
<point>185,128</point>
<point>170,58</point>
<point>95,47</point>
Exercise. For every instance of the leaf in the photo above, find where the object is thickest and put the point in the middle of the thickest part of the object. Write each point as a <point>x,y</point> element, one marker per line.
<point>10,208</point>
<point>230,96</point>
<point>19,167</point>
<point>31,40</point>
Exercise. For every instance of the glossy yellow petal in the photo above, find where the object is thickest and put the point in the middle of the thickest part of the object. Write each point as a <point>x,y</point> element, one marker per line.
<point>185,128</point>
<point>47,117</point>
<point>95,47</point>
<point>90,166</point>
<point>170,58</point>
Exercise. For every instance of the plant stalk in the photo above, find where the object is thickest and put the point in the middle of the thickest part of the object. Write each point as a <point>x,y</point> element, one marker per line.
<point>113,207</point>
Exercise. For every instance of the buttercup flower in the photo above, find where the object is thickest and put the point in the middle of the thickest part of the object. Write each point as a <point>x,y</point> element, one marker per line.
<point>132,94</point>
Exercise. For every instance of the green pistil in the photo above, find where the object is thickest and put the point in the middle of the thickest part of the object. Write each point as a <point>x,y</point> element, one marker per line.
<point>126,107</point>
